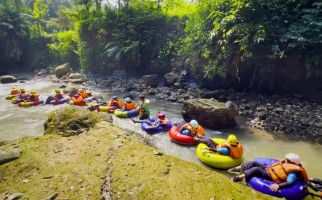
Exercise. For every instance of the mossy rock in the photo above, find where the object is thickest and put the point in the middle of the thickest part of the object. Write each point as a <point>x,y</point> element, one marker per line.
<point>73,120</point>
<point>209,113</point>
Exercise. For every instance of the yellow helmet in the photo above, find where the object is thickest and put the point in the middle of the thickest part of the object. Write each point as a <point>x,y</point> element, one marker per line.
<point>232,139</point>
<point>57,90</point>
<point>71,102</point>
<point>22,89</point>
<point>33,92</point>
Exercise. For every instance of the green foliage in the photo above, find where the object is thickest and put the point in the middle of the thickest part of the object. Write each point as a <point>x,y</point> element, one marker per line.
<point>223,30</point>
<point>13,29</point>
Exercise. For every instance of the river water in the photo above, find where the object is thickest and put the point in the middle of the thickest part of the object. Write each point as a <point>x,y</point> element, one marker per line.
<point>17,122</point>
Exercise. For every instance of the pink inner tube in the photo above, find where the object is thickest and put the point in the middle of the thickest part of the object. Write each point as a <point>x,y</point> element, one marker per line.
<point>179,138</point>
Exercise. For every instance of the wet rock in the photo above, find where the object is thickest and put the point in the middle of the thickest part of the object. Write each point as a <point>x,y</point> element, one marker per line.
<point>8,154</point>
<point>151,80</point>
<point>229,105</point>
<point>318,124</point>
<point>42,72</point>
<point>8,79</point>
<point>78,81</point>
<point>62,70</point>
<point>75,76</point>
<point>209,113</point>
<point>171,78</point>
<point>73,120</point>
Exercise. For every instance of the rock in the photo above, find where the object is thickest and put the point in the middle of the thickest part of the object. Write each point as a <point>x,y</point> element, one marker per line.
<point>170,78</point>
<point>14,196</point>
<point>157,153</point>
<point>73,120</point>
<point>318,124</point>
<point>62,70</point>
<point>151,80</point>
<point>75,76</point>
<point>70,89</point>
<point>42,72</point>
<point>209,113</point>
<point>8,79</point>
<point>229,105</point>
<point>8,154</point>
<point>78,81</point>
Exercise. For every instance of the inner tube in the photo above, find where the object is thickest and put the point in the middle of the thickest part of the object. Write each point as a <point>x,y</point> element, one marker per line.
<point>109,109</point>
<point>216,160</point>
<point>296,191</point>
<point>59,101</point>
<point>179,138</point>
<point>29,103</point>
<point>125,114</point>
<point>9,97</point>
<point>147,127</point>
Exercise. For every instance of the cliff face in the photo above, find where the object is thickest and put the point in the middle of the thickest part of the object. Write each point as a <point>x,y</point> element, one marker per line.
<point>286,76</point>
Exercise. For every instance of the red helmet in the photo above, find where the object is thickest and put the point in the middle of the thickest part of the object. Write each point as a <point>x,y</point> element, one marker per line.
<point>161,116</point>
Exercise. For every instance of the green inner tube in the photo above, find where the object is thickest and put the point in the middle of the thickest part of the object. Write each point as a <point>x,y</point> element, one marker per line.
<point>121,114</point>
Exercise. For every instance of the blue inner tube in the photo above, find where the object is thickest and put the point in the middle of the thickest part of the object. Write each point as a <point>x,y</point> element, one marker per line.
<point>297,191</point>
<point>132,113</point>
<point>59,101</point>
<point>150,129</point>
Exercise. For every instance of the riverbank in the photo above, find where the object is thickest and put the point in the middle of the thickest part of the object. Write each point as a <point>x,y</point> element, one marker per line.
<point>110,163</point>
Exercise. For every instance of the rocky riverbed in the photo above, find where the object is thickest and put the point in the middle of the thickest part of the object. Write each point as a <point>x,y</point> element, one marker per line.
<point>288,115</point>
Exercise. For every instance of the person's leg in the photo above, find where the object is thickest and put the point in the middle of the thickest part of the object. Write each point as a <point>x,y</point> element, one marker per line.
<point>252,172</point>
<point>245,166</point>
<point>207,141</point>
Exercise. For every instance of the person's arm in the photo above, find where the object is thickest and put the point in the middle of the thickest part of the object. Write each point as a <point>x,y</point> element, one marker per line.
<point>317,181</point>
<point>291,178</point>
<point>223,151</point>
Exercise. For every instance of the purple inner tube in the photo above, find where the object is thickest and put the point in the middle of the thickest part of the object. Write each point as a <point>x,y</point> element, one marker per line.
<point>151,130</point>
<point>59,101</point>
<point>296,191</point>
<point>132,113</point>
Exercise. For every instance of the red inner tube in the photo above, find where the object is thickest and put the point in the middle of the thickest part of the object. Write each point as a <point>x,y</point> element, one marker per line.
<point>177,137</point>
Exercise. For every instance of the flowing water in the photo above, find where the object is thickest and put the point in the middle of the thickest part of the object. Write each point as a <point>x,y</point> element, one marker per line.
<point>17,122</point>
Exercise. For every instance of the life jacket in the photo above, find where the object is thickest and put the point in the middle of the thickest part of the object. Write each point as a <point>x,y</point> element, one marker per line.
<point>116,103</point>
<point>34,98</point>
<point>84,94</point>
<point>280,170</point>
<point>129,106</point>
<point>79,101</point>
<point>235,151</point>
<point>194,131</point>
<point>144,111</point>
<point>15,92</point>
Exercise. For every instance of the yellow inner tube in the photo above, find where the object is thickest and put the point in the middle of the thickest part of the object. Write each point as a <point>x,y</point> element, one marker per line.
<point>214,159</point>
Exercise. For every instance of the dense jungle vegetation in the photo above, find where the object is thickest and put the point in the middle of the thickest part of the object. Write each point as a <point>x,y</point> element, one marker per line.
<point>212,37</point>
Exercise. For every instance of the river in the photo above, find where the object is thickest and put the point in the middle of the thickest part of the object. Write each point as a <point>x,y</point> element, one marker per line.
<point>17,122</point>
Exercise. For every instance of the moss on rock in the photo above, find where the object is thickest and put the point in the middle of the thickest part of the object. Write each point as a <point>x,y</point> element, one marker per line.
<point>72,120</point>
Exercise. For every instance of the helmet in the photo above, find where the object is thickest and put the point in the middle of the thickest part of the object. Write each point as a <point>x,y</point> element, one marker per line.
<point>194,123</point>
<point>22,89</point>
<point>127,99</point>
<point>33,92</point>
<point>232,139</point>
<point>142,96</point>
<point>293,157</point>
<point>71,102</point>
<point>57,90</point>
<point>114,97</point>
<point>161,116</point>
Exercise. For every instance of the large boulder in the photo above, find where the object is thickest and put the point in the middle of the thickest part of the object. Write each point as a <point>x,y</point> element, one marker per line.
<point>151,80</point>
<point>171,78</point>
<point>76,76</point>
<point>62,70</point>
<point>73,120</point>
<point>209,113</point>
<point>8,79</point>
<point>10,153</point>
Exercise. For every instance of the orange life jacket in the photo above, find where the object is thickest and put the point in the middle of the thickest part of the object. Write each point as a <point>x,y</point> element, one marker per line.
<point>79,101</point>
<point>116,103</point>
<point>235,151</point>
<point>194,131</point>
<point>15,92</point>
<point>84,94</point>
<point>34,97</point>
<point>280,170</point>
<point>129,106</point>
